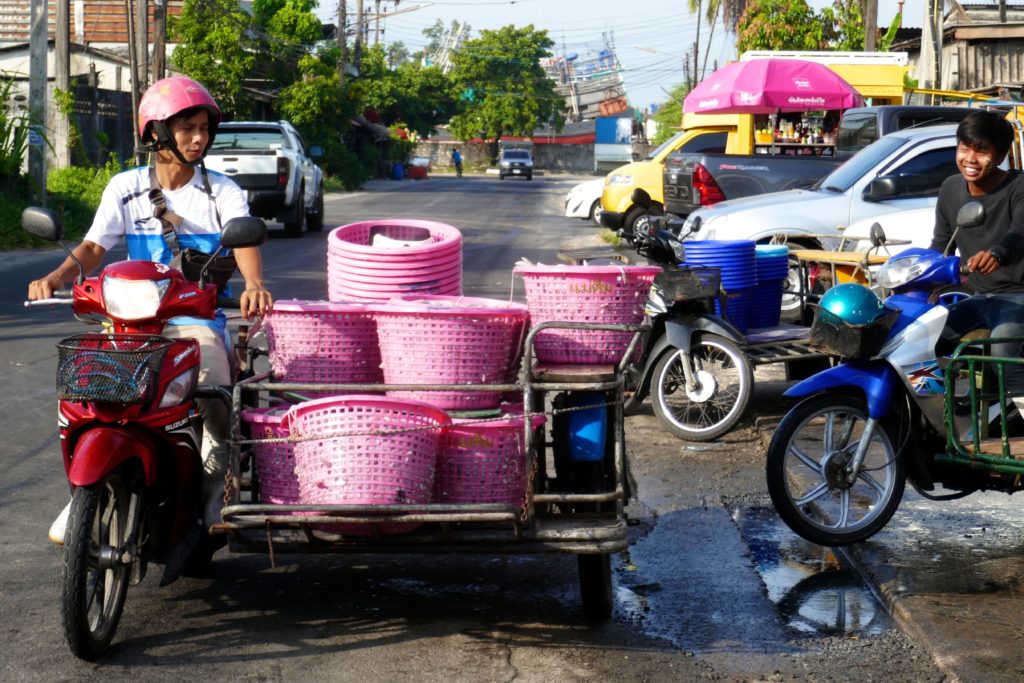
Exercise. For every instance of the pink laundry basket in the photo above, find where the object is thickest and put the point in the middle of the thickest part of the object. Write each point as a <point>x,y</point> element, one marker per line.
<point>366,450</point>
<point>484,461</point>
<point>274,462</point>
<point>375,260</point>
<point>318,342</point>
<point>585,294</point>
<point>450,340</point>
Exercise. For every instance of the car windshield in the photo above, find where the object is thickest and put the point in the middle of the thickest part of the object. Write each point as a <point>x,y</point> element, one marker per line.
<point>248,138</point>
<point>671,141</point>
<point>516,154</point>
<point>843,178</point>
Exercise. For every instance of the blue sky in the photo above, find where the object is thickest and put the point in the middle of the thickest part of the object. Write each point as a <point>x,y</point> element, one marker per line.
<point>650,36</point>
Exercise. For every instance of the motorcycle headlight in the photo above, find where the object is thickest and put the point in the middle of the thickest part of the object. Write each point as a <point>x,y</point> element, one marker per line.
<point>620,180</point>
<point>899,271</point>
<point>180,388</point>
<point>133,299</point>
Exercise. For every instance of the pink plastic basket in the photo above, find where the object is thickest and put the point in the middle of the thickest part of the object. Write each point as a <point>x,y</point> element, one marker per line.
<point>450,340</point>
<point>274,462</point>
<point>357,238</point>
<point>317,342</point>
<point>585,294</point>
<point>366,450</point>
<point>484,461</point>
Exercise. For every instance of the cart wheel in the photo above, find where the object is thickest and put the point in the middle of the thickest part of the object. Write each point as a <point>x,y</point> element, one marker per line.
<point>596,586</point>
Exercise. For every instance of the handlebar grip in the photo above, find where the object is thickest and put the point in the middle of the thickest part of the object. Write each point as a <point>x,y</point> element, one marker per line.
<point>63,294</point>
<point>49,302</point>
<point>964,270</point>
<point>228,302</point>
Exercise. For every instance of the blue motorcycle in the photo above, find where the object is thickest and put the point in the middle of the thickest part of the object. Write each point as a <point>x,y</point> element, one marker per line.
<point>895,409</point>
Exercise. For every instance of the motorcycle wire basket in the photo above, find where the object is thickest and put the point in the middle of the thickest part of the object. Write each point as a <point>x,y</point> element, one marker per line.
<point>689,282</point>
<point>103,368</point>
<point>836,337</point>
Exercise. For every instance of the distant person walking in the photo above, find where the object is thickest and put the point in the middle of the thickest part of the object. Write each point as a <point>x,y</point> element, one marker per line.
<point>457,160</point>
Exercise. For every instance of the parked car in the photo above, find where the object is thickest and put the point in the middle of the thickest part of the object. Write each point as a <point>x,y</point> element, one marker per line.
<point>418,168</point>
<point>584,200</point>
<point>515,161</point>
<point>269,160</point>
<point>914,226</point>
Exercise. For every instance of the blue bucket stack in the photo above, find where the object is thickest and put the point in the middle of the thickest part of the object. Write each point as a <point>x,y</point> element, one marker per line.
<point>772,270</point>
<point>736,260</point>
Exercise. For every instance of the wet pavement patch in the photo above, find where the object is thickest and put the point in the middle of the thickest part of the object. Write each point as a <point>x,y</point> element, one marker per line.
<point>814,592</point>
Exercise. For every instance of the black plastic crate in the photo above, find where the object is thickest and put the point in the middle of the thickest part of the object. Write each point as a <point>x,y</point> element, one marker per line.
<point>836,337</point>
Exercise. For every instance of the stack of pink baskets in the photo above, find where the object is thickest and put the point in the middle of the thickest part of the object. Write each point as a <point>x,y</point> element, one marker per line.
<point>450,340</point>
<point>585,294</point>
<point>377,260</point>
<point>274,462</point>
<point>366,450</point>
<point>484,461</point>
<point>317,342</point>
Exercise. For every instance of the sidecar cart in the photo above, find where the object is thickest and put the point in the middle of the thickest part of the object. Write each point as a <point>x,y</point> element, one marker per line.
<point>571,455</point>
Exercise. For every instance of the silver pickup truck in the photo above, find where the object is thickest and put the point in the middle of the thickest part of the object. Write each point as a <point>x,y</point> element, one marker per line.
<point>269,160</point>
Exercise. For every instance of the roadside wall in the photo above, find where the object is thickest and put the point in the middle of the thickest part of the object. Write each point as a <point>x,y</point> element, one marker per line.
<point>550,158</point>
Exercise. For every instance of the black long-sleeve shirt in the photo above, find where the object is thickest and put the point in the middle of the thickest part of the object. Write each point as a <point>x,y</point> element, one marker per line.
<point>1002,232</point>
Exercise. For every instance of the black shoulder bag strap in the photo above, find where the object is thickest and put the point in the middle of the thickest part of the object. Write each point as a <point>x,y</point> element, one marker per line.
<point>168,219</point>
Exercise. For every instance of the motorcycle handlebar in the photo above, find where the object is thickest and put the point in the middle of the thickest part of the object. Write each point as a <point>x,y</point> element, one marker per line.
<point>50,301</point>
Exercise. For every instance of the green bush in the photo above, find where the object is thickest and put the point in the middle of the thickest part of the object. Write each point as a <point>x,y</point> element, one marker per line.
<point>75,192</point>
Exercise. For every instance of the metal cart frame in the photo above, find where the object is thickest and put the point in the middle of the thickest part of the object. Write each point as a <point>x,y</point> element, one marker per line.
<point>589,524</point>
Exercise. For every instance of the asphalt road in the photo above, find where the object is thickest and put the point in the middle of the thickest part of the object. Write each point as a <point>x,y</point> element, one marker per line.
<point>692,603</point>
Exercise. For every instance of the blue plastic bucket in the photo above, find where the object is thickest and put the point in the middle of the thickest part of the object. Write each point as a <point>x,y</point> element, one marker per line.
<point>766,304</point>
<point>587,427</point>
<point>397,171</point>
<point>736,259</point>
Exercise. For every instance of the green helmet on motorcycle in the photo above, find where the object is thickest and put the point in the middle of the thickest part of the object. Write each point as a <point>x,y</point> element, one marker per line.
<point>852,303</point>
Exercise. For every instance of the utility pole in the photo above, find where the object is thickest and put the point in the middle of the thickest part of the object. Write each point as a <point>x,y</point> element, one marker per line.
<point>358,56</point>
<point>376,23</point>
<point>142,43</point>
<point>342,37</point>
<point>62,81</point>
<point>38,49</point>
<point>133,81</point>
<point>870,24</point>
<point>159,40</point>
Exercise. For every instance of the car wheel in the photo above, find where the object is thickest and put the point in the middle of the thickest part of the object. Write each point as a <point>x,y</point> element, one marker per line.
<point>295,227</point>
<point>315,217</point>
<point>595,211</point>
<point>529,176</point>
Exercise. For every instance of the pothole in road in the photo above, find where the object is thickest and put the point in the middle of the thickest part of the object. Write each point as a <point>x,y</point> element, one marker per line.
<point>814,592</point>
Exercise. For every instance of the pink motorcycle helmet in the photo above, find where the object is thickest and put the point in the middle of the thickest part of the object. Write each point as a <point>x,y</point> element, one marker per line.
<point>169,97</point>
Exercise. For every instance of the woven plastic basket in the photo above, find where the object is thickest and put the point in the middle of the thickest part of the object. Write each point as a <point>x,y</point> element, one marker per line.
<point>274,462</point>
<point>404,237</point>
<point>450,340</point>
<point>585,294</point>
<point>317,342</point>
<point>366,450</point>
<point>484,461</point>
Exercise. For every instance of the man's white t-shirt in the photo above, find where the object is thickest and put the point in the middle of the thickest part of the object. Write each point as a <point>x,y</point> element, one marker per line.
<point>126,212</point>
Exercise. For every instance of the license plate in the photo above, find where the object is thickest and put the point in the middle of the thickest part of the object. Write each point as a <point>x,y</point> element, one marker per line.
<point>516,170</point>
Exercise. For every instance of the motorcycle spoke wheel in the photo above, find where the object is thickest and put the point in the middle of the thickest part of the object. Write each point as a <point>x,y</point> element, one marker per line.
<point>95,581</point>
<point>724,382</point>
<point>805,471</point>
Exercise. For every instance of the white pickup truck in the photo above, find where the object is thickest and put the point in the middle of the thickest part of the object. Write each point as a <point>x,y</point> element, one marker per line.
<point>268,159</point>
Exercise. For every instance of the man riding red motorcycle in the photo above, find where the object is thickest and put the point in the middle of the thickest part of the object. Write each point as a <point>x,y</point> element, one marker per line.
<point>166,213</point>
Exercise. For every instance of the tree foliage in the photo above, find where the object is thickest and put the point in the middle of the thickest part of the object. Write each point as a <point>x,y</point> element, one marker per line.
<point>669,117</point>
<point>780,25</point>
<point>844,22</point>
<point>418,97</point>
<point>505,90</point>
<point>216,46</point>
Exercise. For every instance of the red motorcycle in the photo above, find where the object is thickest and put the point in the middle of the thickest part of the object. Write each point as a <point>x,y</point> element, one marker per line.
<point>130,432</point>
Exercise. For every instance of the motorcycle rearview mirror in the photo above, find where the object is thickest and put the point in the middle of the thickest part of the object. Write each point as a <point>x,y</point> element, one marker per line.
<point>46,224</point>
<point>43,223</point>
<point>244,231</point>
<point>641,198</point>
<point>877,235</point>
<point>970,215</point>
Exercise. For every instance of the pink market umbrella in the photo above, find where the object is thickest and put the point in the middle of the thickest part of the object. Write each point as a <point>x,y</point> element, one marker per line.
<point>769,86</point>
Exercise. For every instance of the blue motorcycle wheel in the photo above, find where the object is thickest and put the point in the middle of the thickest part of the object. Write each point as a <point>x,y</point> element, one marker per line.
<point>805,471</point>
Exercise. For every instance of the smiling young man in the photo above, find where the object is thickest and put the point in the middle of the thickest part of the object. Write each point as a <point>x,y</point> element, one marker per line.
<point>993,251</point>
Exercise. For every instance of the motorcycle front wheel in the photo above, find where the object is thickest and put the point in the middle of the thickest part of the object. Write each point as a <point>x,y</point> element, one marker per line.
<point>95,580</point>
<point>724,383</point>
<point>806,465</point>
